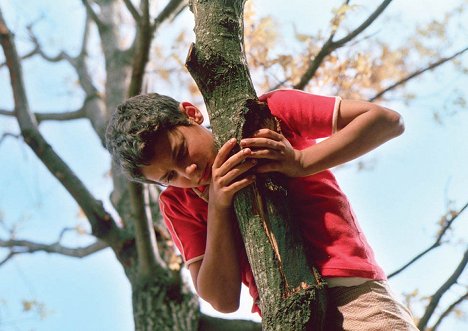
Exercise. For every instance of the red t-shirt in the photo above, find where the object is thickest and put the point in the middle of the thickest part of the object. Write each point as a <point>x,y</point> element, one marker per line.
<point>322,210</point>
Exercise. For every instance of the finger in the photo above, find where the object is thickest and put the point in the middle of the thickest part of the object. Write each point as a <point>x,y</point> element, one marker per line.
<point>262,143</point>
<point>267,133</point>
<point>234,161</point>
<point>240,184</point>
<point>267,154</point>
<point>223,152</point>
<point>268,167</point>
<point>237,172</point>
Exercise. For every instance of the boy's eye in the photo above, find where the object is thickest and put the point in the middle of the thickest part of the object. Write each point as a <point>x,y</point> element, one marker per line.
<point>170,177</point>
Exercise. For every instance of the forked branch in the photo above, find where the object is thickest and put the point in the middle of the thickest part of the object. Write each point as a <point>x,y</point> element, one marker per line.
<point>434,302</point>
<point>449,310</point>
<point>448,223</point>
<point>331,45</point>
<point>101,221</point>
<point>25,246</point>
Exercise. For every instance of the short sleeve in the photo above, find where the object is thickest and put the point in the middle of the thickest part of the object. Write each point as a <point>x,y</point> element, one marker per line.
<point>187,226</point>
<point>305,114</point>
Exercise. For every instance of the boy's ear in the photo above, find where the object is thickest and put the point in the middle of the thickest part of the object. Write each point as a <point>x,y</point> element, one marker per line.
<point>191,111</point>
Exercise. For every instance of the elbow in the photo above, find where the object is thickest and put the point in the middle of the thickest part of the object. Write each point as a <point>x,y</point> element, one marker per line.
<point>393,121</point>
<point>225,307</point>
<point>223,303</point>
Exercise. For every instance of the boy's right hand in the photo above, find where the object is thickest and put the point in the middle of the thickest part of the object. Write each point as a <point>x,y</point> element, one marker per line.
<point>228,174</point>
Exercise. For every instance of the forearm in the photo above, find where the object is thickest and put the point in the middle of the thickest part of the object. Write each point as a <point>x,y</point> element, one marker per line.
<point>360,136</point>
<point>219,277</point>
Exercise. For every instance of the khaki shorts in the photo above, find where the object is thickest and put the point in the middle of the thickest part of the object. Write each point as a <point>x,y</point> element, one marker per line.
<point>367,307</point>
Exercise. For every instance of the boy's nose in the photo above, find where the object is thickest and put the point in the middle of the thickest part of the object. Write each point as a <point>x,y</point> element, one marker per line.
<point>190,170</point>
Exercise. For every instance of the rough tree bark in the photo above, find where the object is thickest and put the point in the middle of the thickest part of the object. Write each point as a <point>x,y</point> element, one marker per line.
<point>292,294</point>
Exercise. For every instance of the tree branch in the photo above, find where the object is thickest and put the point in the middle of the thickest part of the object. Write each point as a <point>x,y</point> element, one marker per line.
<point>143,40</point>
<point>147,248</point>
<point>85,38</point>
<point>449,310</point>
<point>52,116</point>
<point>417,73</point>
<point>26,246</point>
<point>7,134</point>
<point>436,244</point>
<point>100,24</point>
<point>173,8</point>
<point>210,323</point>
<point>7,258</point>
<point>101,221</point>
<point>441,291</point>
<point>380,9</point>
<point>132,9</point>
<point>331,45</point>
<point>31,53</point>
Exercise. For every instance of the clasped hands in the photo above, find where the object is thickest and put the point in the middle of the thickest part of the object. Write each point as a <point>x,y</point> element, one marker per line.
<point>266,150</point>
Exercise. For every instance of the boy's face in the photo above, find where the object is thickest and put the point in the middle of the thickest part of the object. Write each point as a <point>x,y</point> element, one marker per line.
<point>184,155</point>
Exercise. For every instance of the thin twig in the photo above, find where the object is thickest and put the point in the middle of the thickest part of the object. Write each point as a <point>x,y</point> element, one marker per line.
<point>448,311</point>
<point>7,258</point>
<point>93,14</point>
<point>26,246</point>
<point>52,116</point>
<point>133,10</point>
<point>60,57</point>
<point>173,8</point>
<point>331,45</point>
<point>436,244</point>
<point>434,302</point>
<point>8,134</point>
<point>417,73</point>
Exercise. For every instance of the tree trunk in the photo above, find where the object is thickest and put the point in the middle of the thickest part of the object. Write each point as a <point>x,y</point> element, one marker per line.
<point>165,305</point>
<point>292,294</point>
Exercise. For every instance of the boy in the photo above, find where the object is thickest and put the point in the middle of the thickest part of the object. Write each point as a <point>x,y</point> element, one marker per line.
<point>155,139</point>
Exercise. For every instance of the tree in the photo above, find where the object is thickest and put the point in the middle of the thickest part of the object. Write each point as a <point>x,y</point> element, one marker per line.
<point>140,243</point>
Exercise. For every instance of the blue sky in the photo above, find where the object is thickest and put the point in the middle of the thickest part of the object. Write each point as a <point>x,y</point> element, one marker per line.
<point>398,202</point>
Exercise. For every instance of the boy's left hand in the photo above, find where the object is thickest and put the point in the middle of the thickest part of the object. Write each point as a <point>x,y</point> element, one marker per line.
<point>276,151</point>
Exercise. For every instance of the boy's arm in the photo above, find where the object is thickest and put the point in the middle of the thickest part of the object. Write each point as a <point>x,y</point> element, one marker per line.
<point>362,126</point>
<point>217,277</point>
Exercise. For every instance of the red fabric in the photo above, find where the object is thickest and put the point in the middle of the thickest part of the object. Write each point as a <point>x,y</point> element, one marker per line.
<point>330,229</point>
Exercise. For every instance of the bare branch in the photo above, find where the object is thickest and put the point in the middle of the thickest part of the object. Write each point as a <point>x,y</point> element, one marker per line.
<point>93,14</point>
<point>418,72</point>
<point>84,40</point>
<point>334,29</point>
<point>101,221</point>
<point>172,9</point>
<point>38,49</point>
<point>7,134</point>
<point>26,246</point>
<point>141,51</point>
<point>131,8</point>
<point>210,323</point>
<point>61,116</point>
<point>449,310</point>
<point>7,258</point>
<point>52,116</point>
<point>436,244</point>
<point>31,53</point>
<point>441,291</point>
<point>147,248</point>
<point>331,45</point>
<point>364,24</point>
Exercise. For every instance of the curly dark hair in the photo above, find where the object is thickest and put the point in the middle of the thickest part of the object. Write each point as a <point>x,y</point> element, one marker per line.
<point>134,127</point>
